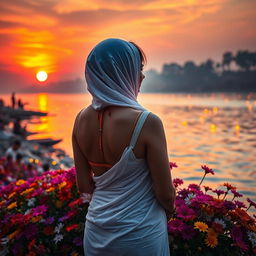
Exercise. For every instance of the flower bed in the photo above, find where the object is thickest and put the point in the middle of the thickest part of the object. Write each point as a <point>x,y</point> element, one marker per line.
<point>45,216</point>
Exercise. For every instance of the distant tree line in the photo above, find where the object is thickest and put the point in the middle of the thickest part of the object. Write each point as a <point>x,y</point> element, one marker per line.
<point>235,73</point>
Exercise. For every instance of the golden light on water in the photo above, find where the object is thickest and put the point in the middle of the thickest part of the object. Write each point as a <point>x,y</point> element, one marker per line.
<point>41,76</point>
<point>184,123</point>
<point>212,128</point>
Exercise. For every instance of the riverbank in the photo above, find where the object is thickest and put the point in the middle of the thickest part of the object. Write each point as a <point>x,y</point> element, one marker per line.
<point>20,156</point>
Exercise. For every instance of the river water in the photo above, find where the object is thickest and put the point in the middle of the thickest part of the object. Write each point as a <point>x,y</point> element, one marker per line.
<point>217,130</point>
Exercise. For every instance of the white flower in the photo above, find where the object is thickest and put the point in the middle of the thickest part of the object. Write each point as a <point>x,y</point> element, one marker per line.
<point>188,198</point>
<point>221,222</point>
<point>31,202</point>
<point>27,211</point>
<point>252,238</point>
<point>4,240</point>
<point>86,197</point>
<point>58,238</point>
<point>58,228</point>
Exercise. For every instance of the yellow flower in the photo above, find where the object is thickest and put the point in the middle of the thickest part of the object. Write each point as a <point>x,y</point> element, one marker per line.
<point>12,205</point>
<point>201,226</point>
<point>20,182</point>
<point>36,219</point>
<point>27,191</point>
<point>13,234</point>
<point>63,184</point>
<point>11,195</point>
<point>50,189</point>
<point>211,241</point>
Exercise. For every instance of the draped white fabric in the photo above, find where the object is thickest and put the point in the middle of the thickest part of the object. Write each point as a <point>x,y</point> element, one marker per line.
<point>112,74</point>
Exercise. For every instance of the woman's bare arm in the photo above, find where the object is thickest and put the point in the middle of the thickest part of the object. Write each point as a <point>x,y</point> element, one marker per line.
<point>84,179</point>
<point>158,162</point>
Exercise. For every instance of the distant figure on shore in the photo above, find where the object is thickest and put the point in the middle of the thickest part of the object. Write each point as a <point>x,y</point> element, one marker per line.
<point>18,129</point>
<point>13,100</point>
<point>14,149</point>
<point>20,104</point>
<point>1,103</point>
<point>121,158</point>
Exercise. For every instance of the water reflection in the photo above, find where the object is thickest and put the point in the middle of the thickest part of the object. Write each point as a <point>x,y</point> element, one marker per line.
<point>217,130</point>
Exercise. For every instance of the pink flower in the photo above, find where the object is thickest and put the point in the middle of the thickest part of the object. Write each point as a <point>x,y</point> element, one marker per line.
<point>219,192</point>
<point>177,182</point>
<point>235,193</point>
<point>39,210</point>
<point>207,169</point>
<point>175,226</point>
<point>185,213</point>
<point>173,165</point>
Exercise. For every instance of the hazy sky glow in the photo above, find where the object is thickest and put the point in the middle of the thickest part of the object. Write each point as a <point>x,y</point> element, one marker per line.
<point>57,35</point>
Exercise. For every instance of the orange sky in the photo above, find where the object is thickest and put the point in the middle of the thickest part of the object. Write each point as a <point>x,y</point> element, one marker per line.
<point>57,35</point>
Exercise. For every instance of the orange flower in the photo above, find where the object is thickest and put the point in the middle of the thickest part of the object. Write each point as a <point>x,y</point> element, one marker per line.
<point>201,226</point>
<point>36,219</point>
<point>228,186</point>
<point>27,191</point>
<point>48,231</point>
<point>13,234</point>
<point>11,195</point>
<point>20,182</point>
<point>211,241</point>
<point>49,189</point>
<point>242,214</point>
<point>12,205</point>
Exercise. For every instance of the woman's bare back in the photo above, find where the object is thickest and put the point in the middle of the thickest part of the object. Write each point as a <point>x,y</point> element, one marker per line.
<point>118,126</point>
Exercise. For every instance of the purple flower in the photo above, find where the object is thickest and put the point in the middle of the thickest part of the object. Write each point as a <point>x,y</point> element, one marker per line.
<point>235,193</point>
<point>229,205</point>
<point>49,220</point>
<point>240,204</point>
<point>65,217</point>
<point>78,241</point>
<point>175,226</point>
<point>251,202</point>
<point>39,210</point>
<point>188,232</point>
<point>207,169</point>
<point>177,182</point>
<point>30,231</point>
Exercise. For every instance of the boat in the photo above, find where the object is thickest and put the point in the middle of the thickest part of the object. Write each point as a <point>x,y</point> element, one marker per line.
<point>48,142</point>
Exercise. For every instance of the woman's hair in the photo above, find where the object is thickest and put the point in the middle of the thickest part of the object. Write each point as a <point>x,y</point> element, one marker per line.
<point>141,52</point>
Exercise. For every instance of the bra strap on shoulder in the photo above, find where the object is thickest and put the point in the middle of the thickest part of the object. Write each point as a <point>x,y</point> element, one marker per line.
<point>138,127</point>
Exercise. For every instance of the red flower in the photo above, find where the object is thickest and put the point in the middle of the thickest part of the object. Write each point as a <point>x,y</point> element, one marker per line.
<point>71,227</point>
<point>207,169</point>
<point>185,213</point>
<point>177,182</point>
<point>229,186</point>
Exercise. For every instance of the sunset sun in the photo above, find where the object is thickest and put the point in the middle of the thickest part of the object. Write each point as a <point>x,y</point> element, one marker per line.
<point>41,76</point>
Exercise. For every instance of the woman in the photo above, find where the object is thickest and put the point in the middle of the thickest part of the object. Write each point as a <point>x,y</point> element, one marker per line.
<point>121,158</point>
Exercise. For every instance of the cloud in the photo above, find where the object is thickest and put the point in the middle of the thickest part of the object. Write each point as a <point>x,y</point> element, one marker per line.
<point>56,35</point>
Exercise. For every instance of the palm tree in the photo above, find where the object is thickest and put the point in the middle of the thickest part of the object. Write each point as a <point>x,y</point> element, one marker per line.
<point>227,59</point>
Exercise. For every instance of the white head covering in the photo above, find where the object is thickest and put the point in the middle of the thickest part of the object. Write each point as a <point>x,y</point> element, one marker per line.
<point>113,74</point>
